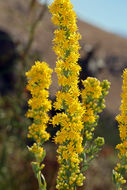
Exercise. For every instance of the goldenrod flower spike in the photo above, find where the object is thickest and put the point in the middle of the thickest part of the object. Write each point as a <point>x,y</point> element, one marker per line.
<point>92,96</point>
<point>69,137</point>
<point>39,80</point>
<point>121,168</point>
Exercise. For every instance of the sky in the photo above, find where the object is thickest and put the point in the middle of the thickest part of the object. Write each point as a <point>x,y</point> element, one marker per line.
<point>110,15</point>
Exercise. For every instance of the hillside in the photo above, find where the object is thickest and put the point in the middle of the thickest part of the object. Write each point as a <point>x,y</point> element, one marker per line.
<point>15,19</point>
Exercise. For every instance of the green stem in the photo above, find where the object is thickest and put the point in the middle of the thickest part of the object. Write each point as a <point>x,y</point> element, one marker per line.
<point>117,186</point>
<point>32,31</point>
<point>41,178</point>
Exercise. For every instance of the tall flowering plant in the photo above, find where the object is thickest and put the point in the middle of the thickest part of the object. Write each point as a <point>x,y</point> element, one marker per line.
<point>39,79</point>
<point>69,137</point>
<point>77,120</point>
<point>120,170</point>
<point>92,97</point>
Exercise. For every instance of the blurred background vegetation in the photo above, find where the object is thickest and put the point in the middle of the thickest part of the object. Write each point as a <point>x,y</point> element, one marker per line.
<point>26,34</point>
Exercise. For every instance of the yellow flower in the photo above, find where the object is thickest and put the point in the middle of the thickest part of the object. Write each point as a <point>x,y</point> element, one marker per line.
<point>122,118</point>
<point>122,147</point>
<point>92,88</point>
<point>69,138</point>
<point>39,79</point>
<point>92,96</point>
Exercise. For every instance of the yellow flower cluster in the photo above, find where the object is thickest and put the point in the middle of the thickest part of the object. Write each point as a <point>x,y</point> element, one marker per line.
<point>121,168</point>
<point>39,79</point>
<point>118,177</point>
<point>69,137</point>
<point>122,118</point>
<point>37,150</point>
<point>93,101</point>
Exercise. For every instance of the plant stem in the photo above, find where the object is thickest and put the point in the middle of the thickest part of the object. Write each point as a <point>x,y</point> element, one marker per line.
<point>32,31</point>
